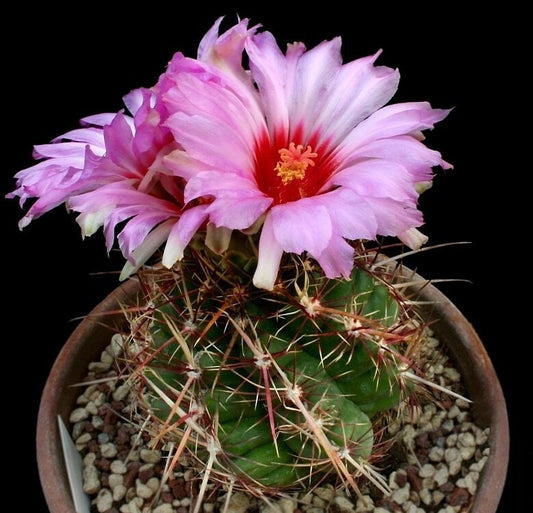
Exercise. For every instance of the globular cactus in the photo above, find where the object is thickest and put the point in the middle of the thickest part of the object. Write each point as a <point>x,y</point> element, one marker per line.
<point>267,391</point>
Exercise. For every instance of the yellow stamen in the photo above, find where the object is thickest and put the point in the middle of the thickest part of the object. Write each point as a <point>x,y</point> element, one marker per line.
<point>294,162</point>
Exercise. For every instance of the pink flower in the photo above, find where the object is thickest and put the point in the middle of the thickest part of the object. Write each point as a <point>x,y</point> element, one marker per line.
<point>110,172</point>
<point>300,145</point>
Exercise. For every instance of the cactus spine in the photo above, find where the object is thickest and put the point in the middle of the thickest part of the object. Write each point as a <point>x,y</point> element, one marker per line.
<point>270,391</point>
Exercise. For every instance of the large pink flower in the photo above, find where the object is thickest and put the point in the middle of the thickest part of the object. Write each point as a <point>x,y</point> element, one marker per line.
<point>300,145</point>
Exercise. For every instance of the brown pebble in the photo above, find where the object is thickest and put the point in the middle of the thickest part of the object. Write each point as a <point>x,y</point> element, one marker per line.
<point>389,505</point>
<point>447,487</point>
<point>104,479</point>
<point>400,478</point>
<point>190,489</point>
<point>123,435</point>
<point>167,497</point>
<point>131,473</point>
<point>94,446</point>
<point>414,478</point>
<point>182,509</point>
<point>89,427</point>
<point>146,473</point>
<point>422,440</point>
<point>102,464</point>
<point>178,488</point>
<point>459,497</point>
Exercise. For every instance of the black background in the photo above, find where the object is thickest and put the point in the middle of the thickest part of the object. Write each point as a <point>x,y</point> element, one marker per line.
<point>62,63</point>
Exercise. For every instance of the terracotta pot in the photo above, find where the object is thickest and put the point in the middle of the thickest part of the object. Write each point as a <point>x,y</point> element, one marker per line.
<point>93,334</point>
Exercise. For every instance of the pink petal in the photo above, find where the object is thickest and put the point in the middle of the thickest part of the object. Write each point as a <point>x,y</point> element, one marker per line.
<point>303,225</point>
<point>182,233</point>
<point>269,257</point>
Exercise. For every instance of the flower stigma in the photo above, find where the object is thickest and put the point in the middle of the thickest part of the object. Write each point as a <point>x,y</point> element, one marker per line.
<point>294,162</point>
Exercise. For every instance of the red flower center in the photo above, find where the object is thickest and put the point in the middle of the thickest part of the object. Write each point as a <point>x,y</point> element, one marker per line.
<point>289,172</point>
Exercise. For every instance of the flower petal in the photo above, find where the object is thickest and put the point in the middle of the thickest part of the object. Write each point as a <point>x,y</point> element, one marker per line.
<point>269,257</point>
<point>303,225</point>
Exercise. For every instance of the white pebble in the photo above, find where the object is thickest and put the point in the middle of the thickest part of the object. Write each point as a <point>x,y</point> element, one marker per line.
<point>238,503</point>
<point>91,482</point>
<point>451,440</point>
<point>208,507</point>
<point>118,467</point>
<point>83,440</point>
<point>108,450</point>
<point>121,392</point>
<point>427,470</point>
<point>365,504</point>
<point>143,490</point>
<point>447,509</point>
<point>119,492</point>
<point>401,494</point>
<point>452,456</point>
<point>469,482</point>
<point>106,358</point>
<point>89,459</point>
<point>478,465</point>
<point>441,476</point>
<point>466,440</point>
<point>453,412</point>
<point>133,506</point>
<point>115,480</point>
<point>325,493</point>
<point>97,421</point>
<point>436,454</point>
<point>163,508</point>
<point>343,504</point>
<point>153,484</point>
<point>452,374</point>
<point>286,505</point>
<point>150,456</point>
<point>99,366</point>
<point>438,497</point>
<point>467,452</point>
<point>116,347</point>
<point>104,500</point>
<point>78,414</point>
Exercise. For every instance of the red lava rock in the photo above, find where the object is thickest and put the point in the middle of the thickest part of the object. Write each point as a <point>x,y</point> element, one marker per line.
<point>447,487</point>
<point>459,497</point>
<point>104,479</point>
<point>110,417</point>
<point>389,505</point>
<point>123,435</point>
<point>414,478</point>
<point>190,489</point>
<point>103,464</point>
<point>146,473</point>
<point>400,479</point>
<point>422,440</point>
<point>167,497</point>
<point>94,446</point>
<point>131,473</point>
<point>89,427</point>
<point>178,488</point>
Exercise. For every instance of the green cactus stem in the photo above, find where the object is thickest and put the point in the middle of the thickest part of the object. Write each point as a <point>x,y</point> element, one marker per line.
<point>272,390</point>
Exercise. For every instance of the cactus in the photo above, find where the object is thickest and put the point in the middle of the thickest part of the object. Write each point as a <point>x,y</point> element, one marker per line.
<point>268,391</point>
